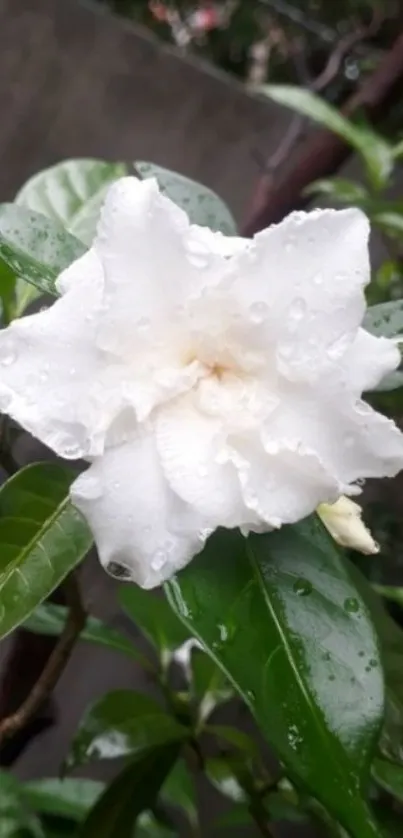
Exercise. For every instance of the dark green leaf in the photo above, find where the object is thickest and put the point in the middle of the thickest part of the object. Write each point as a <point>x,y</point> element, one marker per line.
<point>386,320</point>
<point>49,619</point>
<point>282,617</point>
<point>375,151</point>
<point>390,222</point>
<point>339,189</point>
<point>389,776</point>
<point>72,193</point>
<point>152,614</point>
<point>147,826</point>
<point>16,818</point>
<point>202,205</point>
<point>134,790</point>
<point>233,736</point>
<point>237,817</point>
<point>68,798</point>
<point>7,293</point>
<point>35,249</point>
<point>224,779</point>
<point>210,685</point>
<point>179,790</point>
<point>394,594</point>
<point>42,536</point>
<point>122,723</point>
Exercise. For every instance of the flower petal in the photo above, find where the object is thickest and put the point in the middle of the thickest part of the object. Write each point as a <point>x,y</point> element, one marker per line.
<point>48,359</point>
<point>192,448</point>
<point>304,288</point>
<point>142,530</point>
<point>369,360</point>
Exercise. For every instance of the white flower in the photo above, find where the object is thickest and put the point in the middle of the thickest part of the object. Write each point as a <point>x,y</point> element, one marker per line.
<point>209,381</point>
<point>344,521</point>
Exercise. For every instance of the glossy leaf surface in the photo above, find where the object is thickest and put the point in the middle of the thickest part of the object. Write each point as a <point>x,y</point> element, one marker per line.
<point>282,617</point>
<point>42,536</point>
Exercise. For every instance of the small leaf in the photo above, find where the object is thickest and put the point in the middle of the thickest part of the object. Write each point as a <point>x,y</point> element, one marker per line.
<point>309,687</point>
<point>35,248</point>
<point>68,798</point>
<point>389,776</point>
<point>386,320</point>
<point>235,737</point>
<point>152,614</point>
<point>390,222</point>
<point>179,790</point>
<point>237,816</point>
<point>224,779</point>
<point>43,538</point>
<point>339,189</point>
<point>375,151</point>
<point>16,818</point>
<point>7,293</point>
<point>122,723</point>
<point>210,685</point>
<point>50,619</point>
<point>72,193</point>
<point>133,791</point>
<point>201,204</point>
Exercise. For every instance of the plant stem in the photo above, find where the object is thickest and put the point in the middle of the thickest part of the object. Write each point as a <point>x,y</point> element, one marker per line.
<point>55,665</point>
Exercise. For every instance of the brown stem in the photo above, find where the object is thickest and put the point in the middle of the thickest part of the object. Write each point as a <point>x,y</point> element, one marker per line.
<point>55,665</point>
<point>323,152</point>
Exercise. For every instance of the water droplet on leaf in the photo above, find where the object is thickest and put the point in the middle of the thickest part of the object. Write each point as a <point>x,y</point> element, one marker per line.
<point>302,587</point>
<point>351,605</point>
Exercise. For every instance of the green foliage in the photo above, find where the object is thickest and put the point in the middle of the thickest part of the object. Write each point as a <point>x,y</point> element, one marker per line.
<point>42,536</point>
<point>288,669</point>
<point>152,614</point>
<point>202,205</point>
<point>72,193</point>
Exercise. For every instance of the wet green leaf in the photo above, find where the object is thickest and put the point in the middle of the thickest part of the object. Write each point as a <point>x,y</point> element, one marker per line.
<point>68,798</point>
<point>152,614</point>
<point>16,818</point>
<point>211,687</point>
<point>36,249</point>
<point>202,205</point>
<point>132,792</point>
<point>386,320</point>
<point>72,193</point>
<point>43,538</point>
<point>49,619</point>
<point>299,646</point>
<point>179,790</point>
<point>339,189</point>
<point>123,723</point>
<point>389,776</point>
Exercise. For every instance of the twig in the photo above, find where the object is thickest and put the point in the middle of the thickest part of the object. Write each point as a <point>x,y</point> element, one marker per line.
<point>343,47</point>
<point>55,665</point>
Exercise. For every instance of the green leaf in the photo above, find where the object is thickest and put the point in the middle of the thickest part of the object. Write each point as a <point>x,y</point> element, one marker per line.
<point>339,189</point>
<point>210,685</point>
<point>16,818</point>
<point>72,193</point>
<point>375,151</point>
<point>224,779</point>
<point>386,320</point>
<point>390,222</point>
<point>233,736</point>
<point>281,616</point>
<point>7,293</point>
<point>35,249</point>
<point>152,614</point>
<point>42,536</point>
<point>398,150</point>
<point>179,790</point>
<point>238,816</point>
<point>68,798</point>
<point>394,594</point>
<point>133,791</point>
<point>122,723</point>
<point>49,619</point>
<point>201,204</point>
<point>389,776</point>
<point>148,826</point>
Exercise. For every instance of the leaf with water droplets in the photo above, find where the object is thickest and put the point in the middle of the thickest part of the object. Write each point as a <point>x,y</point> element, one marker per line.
<point>201,204</point>
<point>72,193</point>
<point>36,250</point>
<point>42,537</point>
<point>300,648</point>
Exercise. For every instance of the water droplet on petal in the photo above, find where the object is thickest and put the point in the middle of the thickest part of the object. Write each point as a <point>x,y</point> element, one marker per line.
<point>302,587</point>
<point>258,312</point>
<point>9,356</point>
<point>297,309</point>
<point>72,451</point>
<point>351,605</point>
<point>158,560</point>
<point>198,254</point>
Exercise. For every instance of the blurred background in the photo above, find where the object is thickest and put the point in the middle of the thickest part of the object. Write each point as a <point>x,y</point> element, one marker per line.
<point>180,84</point>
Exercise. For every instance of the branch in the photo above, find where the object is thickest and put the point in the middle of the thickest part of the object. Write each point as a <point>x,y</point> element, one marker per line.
<point>323,152</point>
<point>55,665</point>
